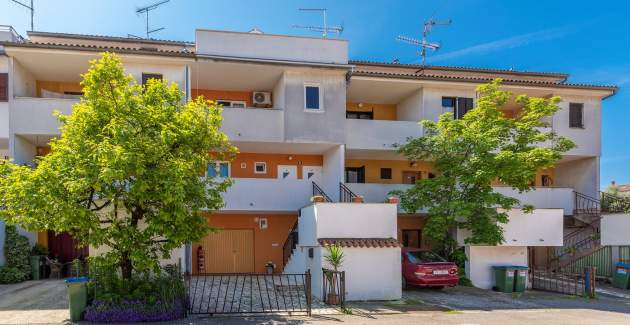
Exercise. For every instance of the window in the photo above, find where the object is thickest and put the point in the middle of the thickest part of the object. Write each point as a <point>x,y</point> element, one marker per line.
<point>424,257</point>
<point>386,173</point>
<point>312,97</point>
<point>576,115</point>
<point>4,87</point>
<point>218,169</point>
<point>355,174</point>
<point>458,105</point>
<point>359,115</point>
<point>232,103</point>
<point>147,76</point>
<point>546,180</point>
<point>260,167</point>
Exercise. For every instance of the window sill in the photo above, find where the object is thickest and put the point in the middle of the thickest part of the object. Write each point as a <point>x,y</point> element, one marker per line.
<point>312,110</point>
<point>577,127</point>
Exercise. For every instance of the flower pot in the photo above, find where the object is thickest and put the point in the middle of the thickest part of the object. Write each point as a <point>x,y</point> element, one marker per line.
<point>317,199</point>
<point>332,299</point>
<point>357,199</point>
<point>393,200</point>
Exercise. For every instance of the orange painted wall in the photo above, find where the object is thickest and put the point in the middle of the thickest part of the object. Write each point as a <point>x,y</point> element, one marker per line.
<point>272,160</point>
<point>538,181</point>
<point>57,86</point>
<point>380,111</point>
<point>245,96</point>
<point>268,242</point>
<point>373,169</point>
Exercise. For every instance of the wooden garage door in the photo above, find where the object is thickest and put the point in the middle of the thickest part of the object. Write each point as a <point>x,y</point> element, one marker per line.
<point>230,251</point>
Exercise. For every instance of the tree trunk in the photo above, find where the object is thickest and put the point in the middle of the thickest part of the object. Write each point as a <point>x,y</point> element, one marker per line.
<point>125,265</point>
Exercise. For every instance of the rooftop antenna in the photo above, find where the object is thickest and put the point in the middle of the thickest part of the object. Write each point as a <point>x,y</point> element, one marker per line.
<point>322,29</point>
<point>145,10</point>
<point>31,8</point>
<point>424,44</point>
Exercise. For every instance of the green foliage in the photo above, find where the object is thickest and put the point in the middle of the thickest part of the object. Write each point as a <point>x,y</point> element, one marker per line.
<point>17,250</point>
<point>472,152</point>
<point>125,172</point>
<point>334,256</point>
<point>39,250</point>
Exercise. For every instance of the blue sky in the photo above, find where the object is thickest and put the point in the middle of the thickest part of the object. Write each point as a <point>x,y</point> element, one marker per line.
<point>587,39</point>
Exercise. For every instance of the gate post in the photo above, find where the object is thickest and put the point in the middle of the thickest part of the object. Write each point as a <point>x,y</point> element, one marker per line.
<point>309,297</point>
<point>589,281</point>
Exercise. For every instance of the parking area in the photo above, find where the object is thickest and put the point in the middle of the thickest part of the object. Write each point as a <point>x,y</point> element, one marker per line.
<point>34,302</point>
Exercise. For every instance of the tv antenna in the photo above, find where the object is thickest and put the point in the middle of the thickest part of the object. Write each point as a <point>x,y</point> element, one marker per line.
<point>325,29</point>
<point>31,8</point>
<point>424,44</point>
<point>145,10</point>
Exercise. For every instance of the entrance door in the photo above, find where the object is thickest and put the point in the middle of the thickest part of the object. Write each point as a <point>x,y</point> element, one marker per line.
<point>410,177</point>
<point>229,251</point>
<point>287,172</point>
<point>312,173</point>
<point>412,238</point>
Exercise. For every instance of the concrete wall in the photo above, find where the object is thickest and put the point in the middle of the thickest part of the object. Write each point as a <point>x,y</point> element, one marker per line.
<point>267,194</point>
<point>409,109</point>
<point>324,125</point>
<point>273,47</point>
<point>588,139</point>
<point>379,135</point>
<point>333,171</point>
<point>22,81</point>
<point>432,100</point>
<point>615,229</point>
<point>23,109</point>
<point>269,125</point>
<point>481,259</point>
<point>21,150</point>
<point>542,227</point>
<point>582,175</point>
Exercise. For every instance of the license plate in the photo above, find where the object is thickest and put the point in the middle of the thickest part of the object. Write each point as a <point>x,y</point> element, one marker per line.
<point>440,272</point>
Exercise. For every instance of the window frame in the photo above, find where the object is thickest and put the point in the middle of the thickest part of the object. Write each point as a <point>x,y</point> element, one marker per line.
<point>389,169</point>
<point>149,75</point>
<point>320,99</point>
<point>4,77</point>
<point>232,102</point>
<point>581,122</point>
<point>264,164</point>
<point>218,164</point>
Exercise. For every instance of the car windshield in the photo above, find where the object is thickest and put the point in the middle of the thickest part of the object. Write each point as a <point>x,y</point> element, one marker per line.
<point>423,257</point>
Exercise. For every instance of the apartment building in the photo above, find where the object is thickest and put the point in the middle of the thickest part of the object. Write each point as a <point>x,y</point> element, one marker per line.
<point>308,121</point>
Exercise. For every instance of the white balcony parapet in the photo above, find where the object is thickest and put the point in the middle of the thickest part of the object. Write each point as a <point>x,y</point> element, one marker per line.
<point>34,116</point>
<point>253,124</point>
<point>540,197</point>
<point>379,134</point>
<point>261,194</point>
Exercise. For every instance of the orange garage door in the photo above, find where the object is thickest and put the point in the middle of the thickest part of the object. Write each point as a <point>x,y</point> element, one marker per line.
<point>230,251</point>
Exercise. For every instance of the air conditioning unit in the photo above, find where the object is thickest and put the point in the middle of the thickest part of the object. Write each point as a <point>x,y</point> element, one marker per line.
<point>261,99</point>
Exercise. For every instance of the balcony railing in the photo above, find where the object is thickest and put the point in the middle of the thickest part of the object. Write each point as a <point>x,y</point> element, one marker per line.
<point>379,134</point>
<point>34,115</point>
<point>253,124</point>
<point>264,194</point>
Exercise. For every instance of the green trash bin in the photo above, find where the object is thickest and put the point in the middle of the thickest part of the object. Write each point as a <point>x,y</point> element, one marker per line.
<point>622,276</point>
<point>520,278</point>
<point>77,296</point>
<point>504,278</point>
<point>35,266</point>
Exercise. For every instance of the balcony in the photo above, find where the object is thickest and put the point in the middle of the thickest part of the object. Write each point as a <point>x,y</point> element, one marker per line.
<point>540,197</point>
<point>379,134</point>
<point>34,116</point>
<point>253,124</point>
<point>257,194</point>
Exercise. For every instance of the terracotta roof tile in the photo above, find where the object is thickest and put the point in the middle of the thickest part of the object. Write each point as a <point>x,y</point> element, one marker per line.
<point>359,242</point>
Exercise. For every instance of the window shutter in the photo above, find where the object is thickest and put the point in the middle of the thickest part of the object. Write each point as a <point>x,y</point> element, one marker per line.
<point>576,111</point>
<point>464,105</point>
<point>4,87</point>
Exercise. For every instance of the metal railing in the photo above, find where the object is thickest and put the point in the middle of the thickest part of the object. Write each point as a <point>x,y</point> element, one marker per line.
<point>578,284</point>
<point>16,36</point>
<point>586,205</point>
<point>600,258</point>
<point>345,193</point>
<point>319,191</point>
<point>290,244</point>
<point>334,287</point>
<point>236,293</point>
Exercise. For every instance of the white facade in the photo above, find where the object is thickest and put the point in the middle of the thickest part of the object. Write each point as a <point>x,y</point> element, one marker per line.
<point>615,229</point>
<point>481,259</point>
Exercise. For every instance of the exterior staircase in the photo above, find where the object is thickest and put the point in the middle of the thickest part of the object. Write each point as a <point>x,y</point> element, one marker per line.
<point>584,238</point>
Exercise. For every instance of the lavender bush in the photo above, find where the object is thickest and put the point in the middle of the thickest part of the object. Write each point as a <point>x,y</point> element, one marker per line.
<point>133,311</point>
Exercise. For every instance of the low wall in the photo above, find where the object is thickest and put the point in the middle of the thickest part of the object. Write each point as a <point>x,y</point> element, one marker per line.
<point>615,229</point>
<point>481,259</point>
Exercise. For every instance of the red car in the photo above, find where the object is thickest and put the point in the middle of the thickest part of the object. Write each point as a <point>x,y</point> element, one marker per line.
<point>424,268</point>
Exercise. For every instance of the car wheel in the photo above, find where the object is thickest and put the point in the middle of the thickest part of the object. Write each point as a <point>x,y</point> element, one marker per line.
<point>437,287</point>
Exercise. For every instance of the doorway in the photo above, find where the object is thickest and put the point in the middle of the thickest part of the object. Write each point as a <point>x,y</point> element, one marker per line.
<point>411,177</point>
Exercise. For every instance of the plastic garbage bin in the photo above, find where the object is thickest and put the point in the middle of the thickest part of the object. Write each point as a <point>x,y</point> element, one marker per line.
<point>504,278</point>
<point>622,276</point>
<point>35,266</point>
<point>520,278</point>
<point>77,296</point>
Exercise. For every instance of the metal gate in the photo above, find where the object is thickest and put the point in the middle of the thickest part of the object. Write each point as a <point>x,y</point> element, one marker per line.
<point>234,293</point>
<point>565,282</point>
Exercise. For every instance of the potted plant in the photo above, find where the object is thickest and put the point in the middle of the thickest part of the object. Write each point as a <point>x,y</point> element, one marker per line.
<point>334,257</point>
<point>317,199</point>
<point>357,199</point>
<point>36,257</point>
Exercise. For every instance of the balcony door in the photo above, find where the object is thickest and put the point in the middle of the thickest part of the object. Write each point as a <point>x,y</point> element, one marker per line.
<point>410,177</point>
<point>287,172</point>
<point>355,174</point>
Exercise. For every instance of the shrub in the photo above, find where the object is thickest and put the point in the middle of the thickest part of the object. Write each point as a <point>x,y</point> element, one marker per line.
<point>39,250</point>
<point>16,252</point>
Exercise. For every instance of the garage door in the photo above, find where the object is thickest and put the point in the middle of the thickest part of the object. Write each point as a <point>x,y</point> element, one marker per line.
<point>230,251</point>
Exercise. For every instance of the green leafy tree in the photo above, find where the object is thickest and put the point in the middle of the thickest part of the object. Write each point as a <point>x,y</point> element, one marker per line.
<point>125,173</point>
<point>17,267</point>
<point>472,152</point>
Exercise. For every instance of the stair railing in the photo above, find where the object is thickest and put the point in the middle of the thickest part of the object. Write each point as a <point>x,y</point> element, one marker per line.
<point>345,193</point>
<point>290,244</point>
<point>319,191</point>
<point>586,205</point>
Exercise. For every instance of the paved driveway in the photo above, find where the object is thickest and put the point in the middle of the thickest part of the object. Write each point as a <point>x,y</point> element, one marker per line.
<point>34,302</point>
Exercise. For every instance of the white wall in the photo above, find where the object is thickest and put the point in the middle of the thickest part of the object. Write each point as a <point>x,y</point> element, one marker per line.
<point>333,171</point>
<point>409,109</point>
<point>582,175</point>
<point>432,100</point>
<point>481,259</point>
<point>278,94</point>
<point>21,150</point>
<point>22,81</point>
<point>543,197</point>
<point>24,109</point>
<point>268,124</point>
<point>615,229</point>
<point>588,139</point>
<point>542,227</point>
<point>371,273</point>
<point>267,194</point>
<point>273,47</point>
<point>171,73</point>
<point>379,134</point>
